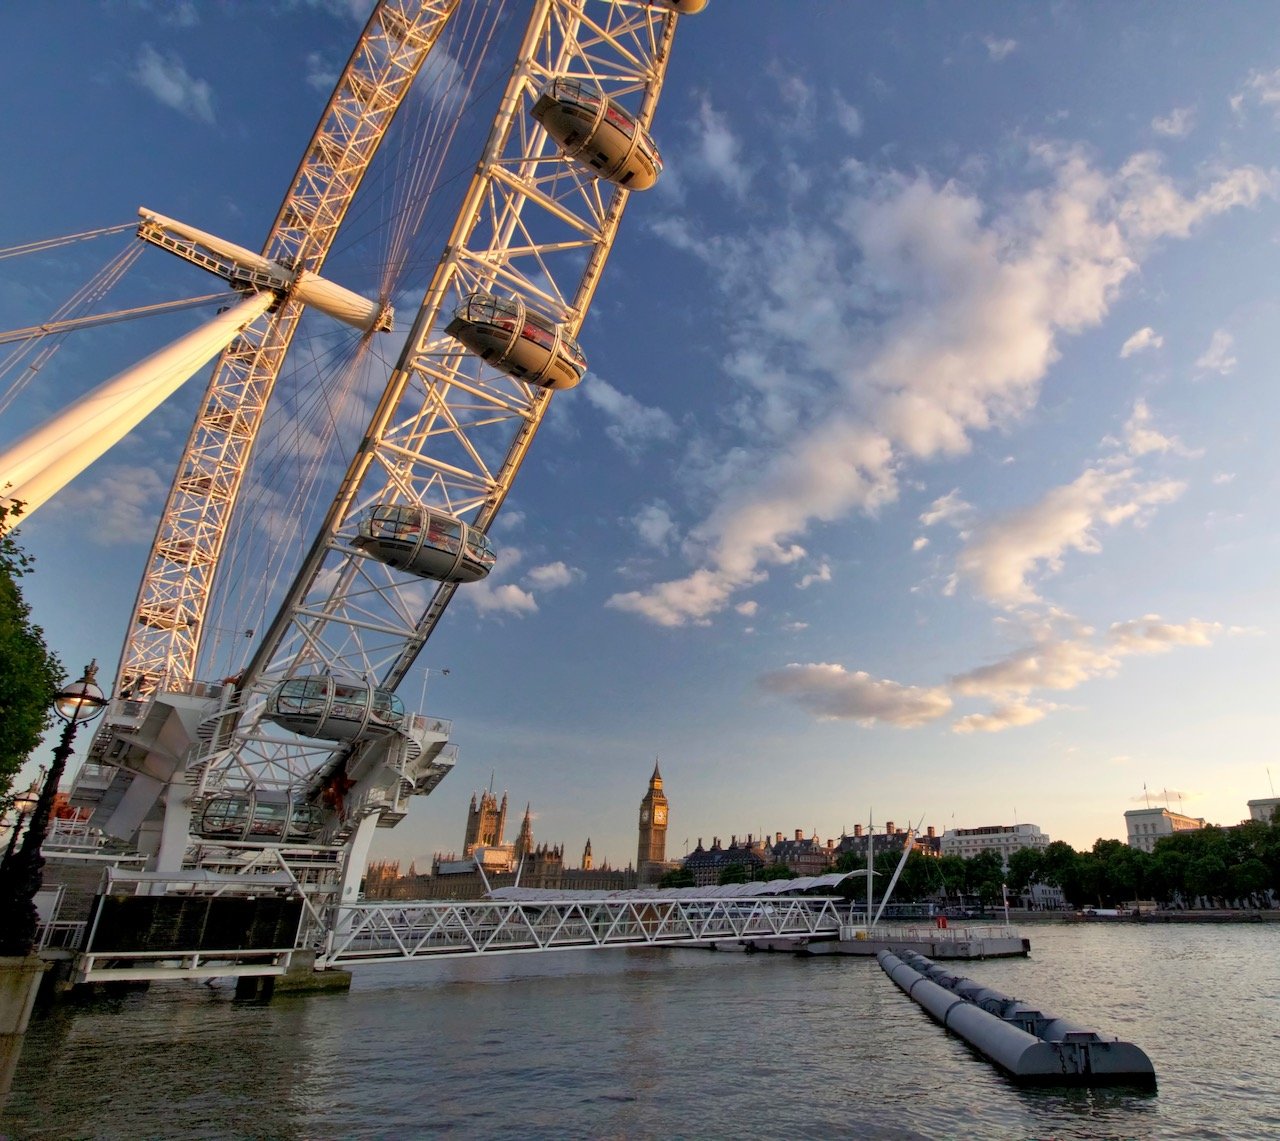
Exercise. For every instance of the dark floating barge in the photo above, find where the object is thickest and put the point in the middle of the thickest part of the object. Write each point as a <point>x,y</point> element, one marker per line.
<point>1032,1047</point>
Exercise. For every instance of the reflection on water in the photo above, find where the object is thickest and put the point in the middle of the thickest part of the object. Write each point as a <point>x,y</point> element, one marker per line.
<point>667,1044</point>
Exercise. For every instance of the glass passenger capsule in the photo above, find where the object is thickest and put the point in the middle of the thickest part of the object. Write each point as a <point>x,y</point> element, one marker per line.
<point>262,815</point>
<point>520,341</point>
<point>425,542</point>
<point>333,710</point>
<point>593,129</point>
<point>683,7</point>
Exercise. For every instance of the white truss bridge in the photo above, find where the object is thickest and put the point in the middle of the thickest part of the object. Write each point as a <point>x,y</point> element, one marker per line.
<point>391,932</point>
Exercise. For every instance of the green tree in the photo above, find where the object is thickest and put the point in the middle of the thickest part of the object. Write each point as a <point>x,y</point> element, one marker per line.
<point>676,877</point>
<point>1026,866</point>
<point>733,873</point>
<point>984,876</point>
<point>775,872</point>
<point>30,674</point>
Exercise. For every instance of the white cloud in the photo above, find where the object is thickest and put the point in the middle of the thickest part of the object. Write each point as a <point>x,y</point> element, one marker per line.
<point>1004,553</point>
<point>553,576</point>
<point>1261,89</point>
<point>949,508</point>
<point>1217,357</point>
<point>1065,663</point>
<point>1222,478</point>
<point>895,323</point>
<point>919,543</point>
<point>632,425</point>
<point>504,598</point>
<point>1144,338</point>
<point>165,76</point>
<point>321,73</point>
<point>999,49</point>
<point>1141,439</point>
<point>822,574</point>
<point>847,116</point>
<point>717,153</point>
<point>1007,715</point>
<point>654,525</point>
<point>833,694</point>
<point>1177,124</point>
<point>118,505</point>
<point>747,609</point>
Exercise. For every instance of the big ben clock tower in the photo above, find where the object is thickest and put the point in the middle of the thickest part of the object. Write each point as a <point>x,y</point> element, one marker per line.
<point>652,853</point>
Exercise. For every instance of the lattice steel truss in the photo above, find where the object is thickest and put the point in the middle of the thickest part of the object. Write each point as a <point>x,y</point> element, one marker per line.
<point>391,932</point>
<point>449,431</point>
<point>168,617</point>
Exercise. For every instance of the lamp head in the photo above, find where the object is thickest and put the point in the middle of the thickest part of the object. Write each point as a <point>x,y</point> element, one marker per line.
<point>81,700</point>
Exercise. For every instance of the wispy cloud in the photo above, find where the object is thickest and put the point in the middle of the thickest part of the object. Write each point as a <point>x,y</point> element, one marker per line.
<point>1218,356</point>
<point>1261,89</point>
<point>166,77</point>
<point>1177,124</point>
<point>999,49</point>
<point>1144,338</point>
<point>632,426</point>
<point>1005,553</point>
<point>119,505</point>
<point>895,323</point>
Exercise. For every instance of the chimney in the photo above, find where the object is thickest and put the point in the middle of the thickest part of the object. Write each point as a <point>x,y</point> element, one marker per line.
<point>799,833</point>
<point>888,827</point>
<point>777,838</point>
<point>931,832</point>
<point>857,829</point>
<point>830,844</point>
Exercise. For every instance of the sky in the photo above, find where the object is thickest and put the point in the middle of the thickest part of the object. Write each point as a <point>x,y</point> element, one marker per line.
<point>925,467</point>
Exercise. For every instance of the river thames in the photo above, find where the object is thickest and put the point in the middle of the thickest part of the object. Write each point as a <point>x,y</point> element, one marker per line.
<point>668,1044</point>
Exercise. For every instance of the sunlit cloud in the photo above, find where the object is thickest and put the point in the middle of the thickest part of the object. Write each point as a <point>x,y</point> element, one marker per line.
<point>553,576</point>
<point>894,324</point>
<point>833,694</point>
<point>822,574</point>
<point>1145,338</point>
<point>1217,357</point>
<point>1003,554</point>
<point>1261,89</point>
<point>1007,715</point>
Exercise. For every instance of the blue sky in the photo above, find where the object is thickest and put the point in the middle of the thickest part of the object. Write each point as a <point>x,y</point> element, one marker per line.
<point>925,467</point>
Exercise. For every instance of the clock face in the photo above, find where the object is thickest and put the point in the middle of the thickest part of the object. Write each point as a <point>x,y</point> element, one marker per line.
<point>659,815</point>
<point>644,816</point>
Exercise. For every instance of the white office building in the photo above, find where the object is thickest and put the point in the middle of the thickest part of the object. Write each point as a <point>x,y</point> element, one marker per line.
<point>1003,838</point>
<point>1146,825</point>
<point>1264,809</point>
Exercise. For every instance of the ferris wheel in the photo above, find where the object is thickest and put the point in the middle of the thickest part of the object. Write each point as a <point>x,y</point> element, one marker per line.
<point>309,741</point>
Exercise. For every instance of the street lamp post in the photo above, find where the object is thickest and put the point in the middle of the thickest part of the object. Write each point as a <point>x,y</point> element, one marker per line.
<point>23,874</point>
<point>23,804</point>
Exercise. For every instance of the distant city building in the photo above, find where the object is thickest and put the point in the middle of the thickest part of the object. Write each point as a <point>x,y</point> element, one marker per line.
<point>890,840</point>
<point>1004,839</point>
<point>708,864</point>
<point>651,854</point>
<point>1146,825</point>
<point>805,857</point>
<point>1264,809</point>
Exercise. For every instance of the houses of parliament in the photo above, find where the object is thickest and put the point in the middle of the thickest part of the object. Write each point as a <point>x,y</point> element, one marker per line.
<point>488,861</point>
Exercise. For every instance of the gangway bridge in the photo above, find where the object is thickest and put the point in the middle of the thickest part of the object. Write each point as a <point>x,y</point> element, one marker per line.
<point>144,930</point>
<point>530,920</point>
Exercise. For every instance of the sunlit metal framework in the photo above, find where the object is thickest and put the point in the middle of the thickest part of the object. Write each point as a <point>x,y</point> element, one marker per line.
<point>164,632</point>
<point>450,432</point>
<point>389,932</point>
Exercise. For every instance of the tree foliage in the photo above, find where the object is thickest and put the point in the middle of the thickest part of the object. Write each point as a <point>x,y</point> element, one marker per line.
<point>30,673</point>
